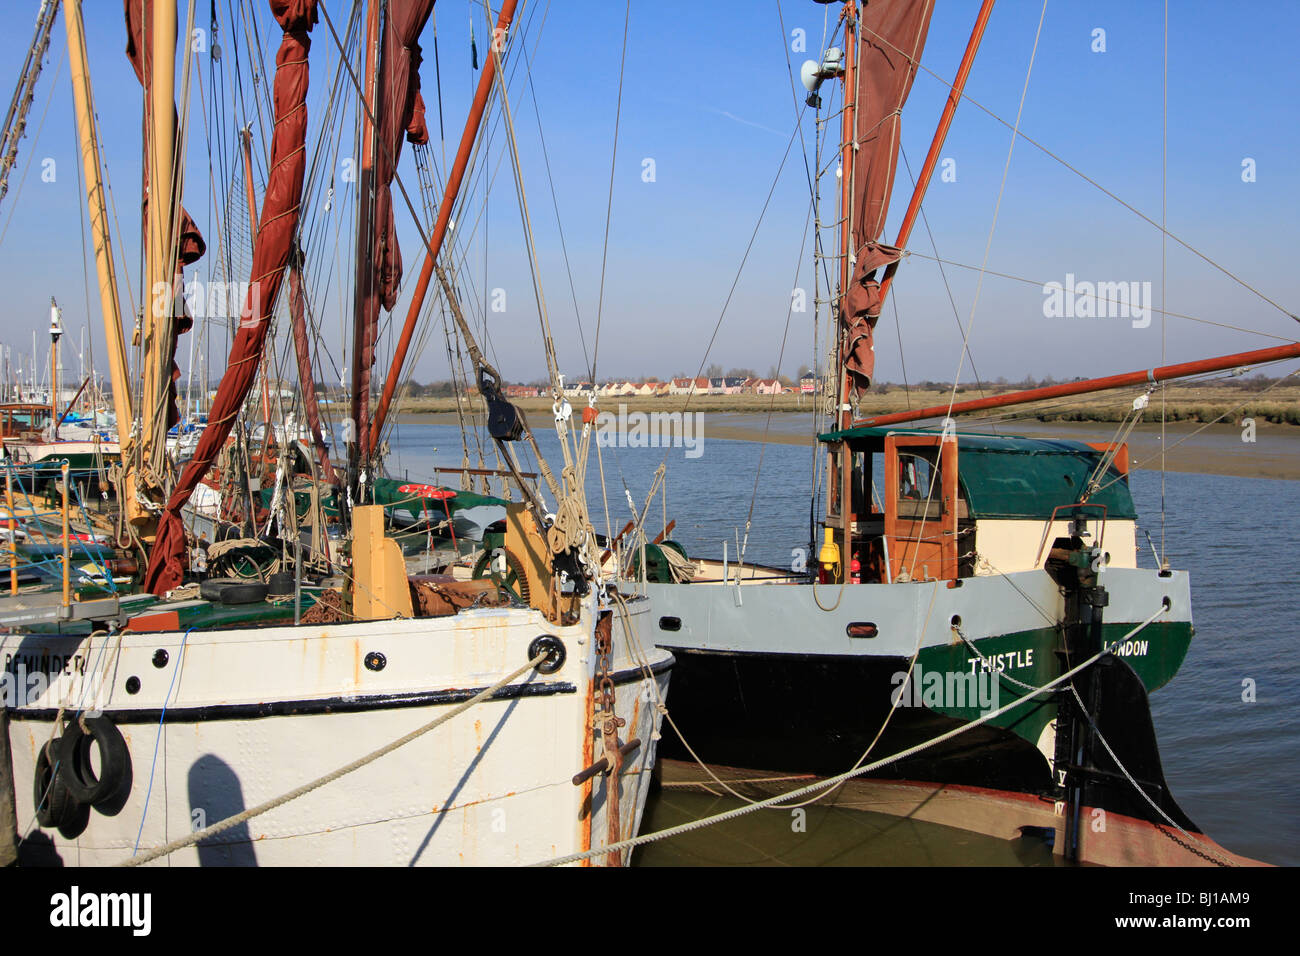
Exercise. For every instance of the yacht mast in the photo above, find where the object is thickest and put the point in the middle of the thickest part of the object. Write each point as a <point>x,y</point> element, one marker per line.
<point>56,332</point>
<point>16,119</point>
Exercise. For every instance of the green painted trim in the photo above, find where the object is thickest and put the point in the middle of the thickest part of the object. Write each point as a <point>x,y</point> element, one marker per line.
<point>1155,654</point>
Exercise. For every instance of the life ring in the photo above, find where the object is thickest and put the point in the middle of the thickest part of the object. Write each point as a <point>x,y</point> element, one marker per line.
<point>427,491</point>
<point>54,803</point>
<point>79,775</point>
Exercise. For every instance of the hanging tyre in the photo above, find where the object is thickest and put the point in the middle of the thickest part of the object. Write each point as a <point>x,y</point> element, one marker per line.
<point>55,805</point>
<point>83,783</point>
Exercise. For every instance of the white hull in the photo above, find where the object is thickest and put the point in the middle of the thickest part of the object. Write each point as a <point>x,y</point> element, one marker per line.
<point>37,452</point>
<point>255,713</point>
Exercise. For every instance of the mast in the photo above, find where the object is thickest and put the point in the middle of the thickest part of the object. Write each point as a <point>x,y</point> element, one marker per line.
<point>364,290</point>
<point>936,144</point>
<point>1145,376</point>
<point>56,331</point>
<point>246,137</point>
<point>109,304</point>
<point>883,44</point>
<point>843,499</point>
<point>278,224</point>
<point>450,193</point>
<point>158,290</point>
<point>16,119</point>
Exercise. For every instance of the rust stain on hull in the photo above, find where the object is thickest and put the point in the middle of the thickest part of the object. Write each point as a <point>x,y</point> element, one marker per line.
<point>588,758</point>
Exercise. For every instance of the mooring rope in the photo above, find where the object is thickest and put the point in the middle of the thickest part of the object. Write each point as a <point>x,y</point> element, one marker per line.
<point>839,778</point>
<point>1206,854</point>
<point>306,788</point>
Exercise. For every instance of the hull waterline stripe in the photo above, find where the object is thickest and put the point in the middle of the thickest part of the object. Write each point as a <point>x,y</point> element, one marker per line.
<point>335,705</point>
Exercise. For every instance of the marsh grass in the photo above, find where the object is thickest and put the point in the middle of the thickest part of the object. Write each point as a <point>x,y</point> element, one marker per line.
<point>1228,403</point>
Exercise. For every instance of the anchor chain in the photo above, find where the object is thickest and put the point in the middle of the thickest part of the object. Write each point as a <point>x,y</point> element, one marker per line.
<point>605,720</point>
<point>608,722</point>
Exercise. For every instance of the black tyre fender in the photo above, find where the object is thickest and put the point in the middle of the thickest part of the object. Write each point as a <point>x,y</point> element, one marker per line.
<point>232,591</point>
<point>55,805</point>
<point>114,759</point>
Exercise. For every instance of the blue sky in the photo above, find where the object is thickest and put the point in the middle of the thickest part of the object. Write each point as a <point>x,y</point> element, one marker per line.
<point>707,97</point>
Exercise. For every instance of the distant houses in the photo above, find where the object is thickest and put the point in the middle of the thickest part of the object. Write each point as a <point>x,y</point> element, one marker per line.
<point>634,389</point>
<point>688,386</point>
<point>523,391</point>
<point>621,388</point>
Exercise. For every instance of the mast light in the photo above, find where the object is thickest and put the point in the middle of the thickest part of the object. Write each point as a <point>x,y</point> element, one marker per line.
<point>56,329</point>
<point>813,74</point>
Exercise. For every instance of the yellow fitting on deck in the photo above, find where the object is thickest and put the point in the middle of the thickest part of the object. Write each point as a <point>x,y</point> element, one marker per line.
<point>829,557</point>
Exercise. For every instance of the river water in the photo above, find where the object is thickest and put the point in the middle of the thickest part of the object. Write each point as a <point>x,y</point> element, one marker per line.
<point>1228,724</point>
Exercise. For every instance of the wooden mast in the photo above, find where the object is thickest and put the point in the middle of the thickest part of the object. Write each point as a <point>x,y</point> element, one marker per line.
<point>472,123</point>
<point>1144,376</point>
<point>843,412</point>
<point>246,136</point>
<point>160,269</point>
<point>109,303</point>
<point>936,144</point>
<point>841,499</point>
<point>365,274</point>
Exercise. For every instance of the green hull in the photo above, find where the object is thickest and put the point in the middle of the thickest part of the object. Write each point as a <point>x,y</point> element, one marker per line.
<point>945,683</point>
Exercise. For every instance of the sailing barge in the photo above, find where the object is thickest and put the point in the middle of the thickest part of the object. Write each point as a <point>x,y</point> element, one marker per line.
<point>309,712</point>
<point>976,642</point>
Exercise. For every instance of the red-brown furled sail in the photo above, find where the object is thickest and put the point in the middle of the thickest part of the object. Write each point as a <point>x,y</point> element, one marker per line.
<point>306,375</point>
<point>271,256</point>
<point>402,115</point>
<point>443,222</point>
<point>893,35</point>
<point>399,110</point>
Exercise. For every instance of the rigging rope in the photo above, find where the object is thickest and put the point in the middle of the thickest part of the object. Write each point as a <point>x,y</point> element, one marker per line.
<point>1092,182</point>
<point>988,243</point>
<point>609,202</point>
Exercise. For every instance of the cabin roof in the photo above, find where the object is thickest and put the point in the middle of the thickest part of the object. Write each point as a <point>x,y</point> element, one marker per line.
<point>1012,477</point>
